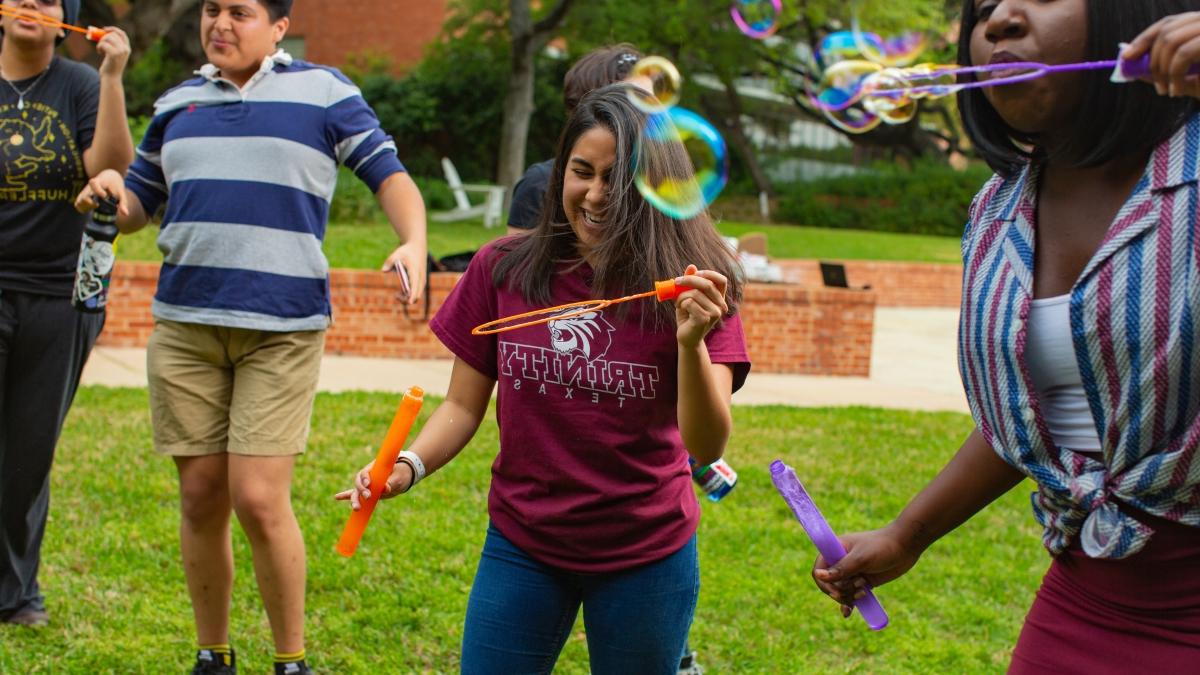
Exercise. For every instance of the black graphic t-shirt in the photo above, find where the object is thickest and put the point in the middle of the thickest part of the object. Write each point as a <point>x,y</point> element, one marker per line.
<point>42,148</point>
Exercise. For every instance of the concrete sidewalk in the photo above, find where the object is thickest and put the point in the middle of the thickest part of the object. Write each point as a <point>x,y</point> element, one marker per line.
<point>913,367</point>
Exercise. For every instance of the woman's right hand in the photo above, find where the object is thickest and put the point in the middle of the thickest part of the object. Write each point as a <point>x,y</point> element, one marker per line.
<point>401,477</point>
<point>1174,46</point>
<point>107,183</point>
<point>874,558</point>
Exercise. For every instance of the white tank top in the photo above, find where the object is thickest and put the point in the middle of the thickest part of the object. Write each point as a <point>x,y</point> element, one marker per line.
<point>1050,356</point>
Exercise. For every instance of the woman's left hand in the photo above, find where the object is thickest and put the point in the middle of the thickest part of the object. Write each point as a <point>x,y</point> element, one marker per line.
<point>1174,47</point>
<point>115,49</point>
<point>701,307</point>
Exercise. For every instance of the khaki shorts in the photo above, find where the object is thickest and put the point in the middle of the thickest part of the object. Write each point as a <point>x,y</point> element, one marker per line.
<point>246,392</point>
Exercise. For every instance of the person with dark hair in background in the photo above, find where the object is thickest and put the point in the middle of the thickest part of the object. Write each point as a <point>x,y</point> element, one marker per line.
<point>60,122</point>
<point>591,502</point>
<point>245,157</point>
<point>1078,333</point>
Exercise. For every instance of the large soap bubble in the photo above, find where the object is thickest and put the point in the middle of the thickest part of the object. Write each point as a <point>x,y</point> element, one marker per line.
<point>679,186</point>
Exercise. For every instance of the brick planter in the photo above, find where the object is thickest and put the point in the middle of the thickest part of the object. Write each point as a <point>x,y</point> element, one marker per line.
<point>789,329</point>
<point>896,284</point>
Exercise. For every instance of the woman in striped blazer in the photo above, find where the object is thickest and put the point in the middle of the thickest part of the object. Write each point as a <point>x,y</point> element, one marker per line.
<point>1079,339</point>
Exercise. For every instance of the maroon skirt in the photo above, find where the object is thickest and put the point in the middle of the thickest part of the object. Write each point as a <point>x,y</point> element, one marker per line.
<point>1140,614</point>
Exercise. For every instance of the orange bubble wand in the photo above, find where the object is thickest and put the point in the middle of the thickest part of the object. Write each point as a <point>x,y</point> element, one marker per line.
<point>91,32</point>
<point>393,442</point>
<point>663,290</point>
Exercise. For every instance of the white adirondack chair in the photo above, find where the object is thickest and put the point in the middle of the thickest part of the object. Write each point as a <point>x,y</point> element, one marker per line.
<point>491,209</point>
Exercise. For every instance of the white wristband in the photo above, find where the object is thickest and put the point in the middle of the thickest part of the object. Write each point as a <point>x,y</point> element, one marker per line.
<point>415,463</point>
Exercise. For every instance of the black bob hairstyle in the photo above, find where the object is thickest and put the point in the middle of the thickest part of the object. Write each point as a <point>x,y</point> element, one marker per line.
<point>1113,120</point>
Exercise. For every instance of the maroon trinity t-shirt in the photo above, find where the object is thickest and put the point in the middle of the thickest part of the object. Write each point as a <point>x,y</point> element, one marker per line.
<point>592,475</point>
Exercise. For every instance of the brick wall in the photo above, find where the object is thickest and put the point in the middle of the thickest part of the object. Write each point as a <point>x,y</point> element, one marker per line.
<point>399,29</point>
<point>789,329</point>
<point>895,284</point>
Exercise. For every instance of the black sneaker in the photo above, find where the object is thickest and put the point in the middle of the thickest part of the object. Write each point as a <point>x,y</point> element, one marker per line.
<point>293,668</point>
<point>688,665</point>
<point>30,616</point>
<point>209,662</point>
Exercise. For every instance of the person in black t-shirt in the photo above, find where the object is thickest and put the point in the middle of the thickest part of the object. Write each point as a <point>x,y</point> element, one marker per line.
<point>60,122</point>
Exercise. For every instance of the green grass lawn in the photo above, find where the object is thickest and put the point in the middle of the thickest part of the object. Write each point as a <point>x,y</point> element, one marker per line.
<point>115,588</point>
<point>365,246</point>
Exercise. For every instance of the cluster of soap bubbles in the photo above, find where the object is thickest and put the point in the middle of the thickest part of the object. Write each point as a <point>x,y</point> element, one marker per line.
<point>865,81</point>
<point>673,190</point>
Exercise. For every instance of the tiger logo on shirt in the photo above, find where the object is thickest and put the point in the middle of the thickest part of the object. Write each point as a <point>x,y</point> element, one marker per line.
<point>588,334</point>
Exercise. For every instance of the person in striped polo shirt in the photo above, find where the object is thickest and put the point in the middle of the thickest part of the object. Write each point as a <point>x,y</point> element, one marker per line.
<point>245,160</point>
<point>1078,337</point>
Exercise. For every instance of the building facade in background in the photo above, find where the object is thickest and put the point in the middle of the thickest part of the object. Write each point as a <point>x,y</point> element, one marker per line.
<point>334,32</point>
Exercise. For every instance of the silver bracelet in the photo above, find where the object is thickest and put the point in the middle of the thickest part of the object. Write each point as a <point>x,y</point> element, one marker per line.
<point>414,462</point>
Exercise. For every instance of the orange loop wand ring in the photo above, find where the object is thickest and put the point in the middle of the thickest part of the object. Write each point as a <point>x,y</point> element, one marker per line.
<point>91,32</point>
<point>663,290</point>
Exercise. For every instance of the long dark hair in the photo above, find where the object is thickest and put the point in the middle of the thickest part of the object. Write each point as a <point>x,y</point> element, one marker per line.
<point>639,244</point>
<point>1115,120</point>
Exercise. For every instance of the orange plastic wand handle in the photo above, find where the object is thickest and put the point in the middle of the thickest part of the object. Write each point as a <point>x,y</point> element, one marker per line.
<point>393,442</point>
<point>91,32</point>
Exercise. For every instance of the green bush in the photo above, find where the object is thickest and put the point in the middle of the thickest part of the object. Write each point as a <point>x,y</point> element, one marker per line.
<point>150,76</point>
<point>927,198</point>
<point>436,192</point>
<point>354,203</point>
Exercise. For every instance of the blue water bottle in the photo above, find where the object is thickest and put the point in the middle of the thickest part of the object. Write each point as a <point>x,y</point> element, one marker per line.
<point>716,480</point>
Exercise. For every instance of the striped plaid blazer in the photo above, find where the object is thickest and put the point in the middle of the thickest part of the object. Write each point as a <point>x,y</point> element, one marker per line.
<point>1135,321</point>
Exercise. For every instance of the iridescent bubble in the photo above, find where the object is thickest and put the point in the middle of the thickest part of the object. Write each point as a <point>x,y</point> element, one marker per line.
<point>853,120</point>
<point>886,93</point>
<point>680,187</point>
<point>666,80</point>
<point>843,45</point>
<point>942,81</point>
<point>842,84</point>
<point>896,50</point>
<point>758,19</point>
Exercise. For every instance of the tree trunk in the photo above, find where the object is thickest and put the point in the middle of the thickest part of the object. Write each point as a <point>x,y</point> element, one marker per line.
<point>737,137</point>
<point>518,101</point>
<point>527,39</point>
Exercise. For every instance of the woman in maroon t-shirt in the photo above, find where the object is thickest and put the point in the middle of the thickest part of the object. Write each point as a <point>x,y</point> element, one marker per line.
<point>591,501</point>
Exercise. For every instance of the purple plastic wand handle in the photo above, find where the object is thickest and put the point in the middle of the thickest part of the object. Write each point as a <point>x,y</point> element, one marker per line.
<point>1130,70</point>
<point>822,536</point>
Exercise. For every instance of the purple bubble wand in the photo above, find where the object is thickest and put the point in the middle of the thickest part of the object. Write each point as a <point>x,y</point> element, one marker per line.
<point>1123,71</point>
<point>822,536</point>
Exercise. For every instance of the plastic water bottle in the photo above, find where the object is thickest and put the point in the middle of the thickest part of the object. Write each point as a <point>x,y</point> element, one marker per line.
<point>716,480</point>
<point>96,257</point>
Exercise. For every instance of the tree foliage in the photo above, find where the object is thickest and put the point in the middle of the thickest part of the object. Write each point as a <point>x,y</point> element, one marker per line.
<point>452,103</point>
<point>700,38</point>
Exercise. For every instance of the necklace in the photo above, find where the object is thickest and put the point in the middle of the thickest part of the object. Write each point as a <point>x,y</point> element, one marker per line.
<point>21,94</point>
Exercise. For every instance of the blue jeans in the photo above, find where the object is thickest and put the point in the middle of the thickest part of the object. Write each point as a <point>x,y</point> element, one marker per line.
<point>521,612</point>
